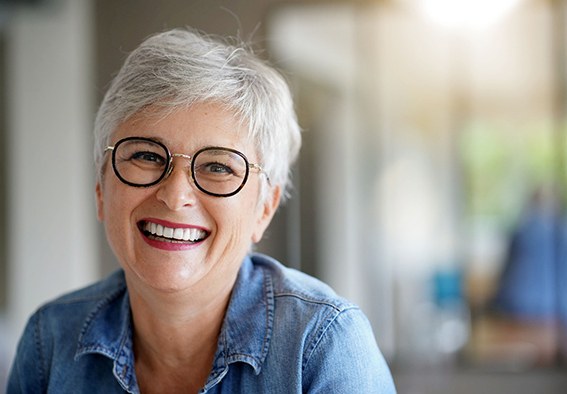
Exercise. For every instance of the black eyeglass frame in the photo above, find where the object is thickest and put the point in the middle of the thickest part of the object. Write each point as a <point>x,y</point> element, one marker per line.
<point>169,168</point>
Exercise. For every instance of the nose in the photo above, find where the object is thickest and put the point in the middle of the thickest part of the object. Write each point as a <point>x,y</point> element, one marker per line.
<point>177,190</point>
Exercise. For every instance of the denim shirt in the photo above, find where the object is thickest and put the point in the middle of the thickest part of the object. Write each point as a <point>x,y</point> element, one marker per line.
<point>283,332</point>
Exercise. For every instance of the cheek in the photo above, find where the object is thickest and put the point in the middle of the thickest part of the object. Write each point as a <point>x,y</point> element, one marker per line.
<point>115,222</point>
<point>117,204</point>
<point>237,218</point>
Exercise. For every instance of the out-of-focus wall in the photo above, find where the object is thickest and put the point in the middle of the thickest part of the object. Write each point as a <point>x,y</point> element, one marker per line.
<point>422,144</point>
<point>51,242</point>
<point>3,177</point>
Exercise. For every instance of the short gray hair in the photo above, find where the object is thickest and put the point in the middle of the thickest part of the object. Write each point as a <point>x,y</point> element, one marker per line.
<point>180,67</point>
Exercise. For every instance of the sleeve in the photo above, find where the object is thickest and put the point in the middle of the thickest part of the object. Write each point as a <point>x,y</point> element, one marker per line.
<point>27,374</point>
<point>345,358</point>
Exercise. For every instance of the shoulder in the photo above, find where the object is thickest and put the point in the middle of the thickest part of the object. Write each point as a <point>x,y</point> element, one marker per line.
<point>92,293</point>
<point>345,358</point>
<point>78,303</point>
<point>305,306</point>
<point>53,331</point>
<point>330,336</point>
<point>67,314</point>
<point>291,283</point>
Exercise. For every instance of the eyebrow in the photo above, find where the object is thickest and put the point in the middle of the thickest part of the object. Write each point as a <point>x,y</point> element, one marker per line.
<point>156,139</point>
<point>162,141</point>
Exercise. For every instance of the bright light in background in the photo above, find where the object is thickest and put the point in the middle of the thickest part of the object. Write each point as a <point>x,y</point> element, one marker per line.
<point>466,13</point>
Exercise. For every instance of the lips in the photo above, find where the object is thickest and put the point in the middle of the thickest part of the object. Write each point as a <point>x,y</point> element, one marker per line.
<point>172,233</point>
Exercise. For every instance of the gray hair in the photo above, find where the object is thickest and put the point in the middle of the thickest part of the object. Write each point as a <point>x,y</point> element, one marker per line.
<point>181,67</point>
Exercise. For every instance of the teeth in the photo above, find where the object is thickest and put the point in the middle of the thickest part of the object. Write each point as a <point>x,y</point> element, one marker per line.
<point>181,234</point>
<point>193,234</point>
<point>168,232</point>
<point>178,233</point>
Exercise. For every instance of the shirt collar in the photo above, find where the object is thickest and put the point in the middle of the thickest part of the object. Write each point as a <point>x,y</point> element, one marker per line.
<point>245,335</point>
<point>247,329</point>
<point>108,331</point>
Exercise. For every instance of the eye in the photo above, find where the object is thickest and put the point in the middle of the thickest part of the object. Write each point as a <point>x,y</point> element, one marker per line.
<point>147,158</point>
<point>218,165</point>
<point>215,168</point>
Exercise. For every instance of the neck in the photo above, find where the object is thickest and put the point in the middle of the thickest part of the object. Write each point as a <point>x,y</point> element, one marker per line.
<point>176,335</point>
<point>174,323</point>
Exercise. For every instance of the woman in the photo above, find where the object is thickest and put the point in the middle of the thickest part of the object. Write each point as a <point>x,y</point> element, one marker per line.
<point>194,141</point>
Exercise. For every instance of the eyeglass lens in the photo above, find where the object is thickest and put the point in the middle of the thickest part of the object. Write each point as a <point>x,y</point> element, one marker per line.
<point>216,171</point>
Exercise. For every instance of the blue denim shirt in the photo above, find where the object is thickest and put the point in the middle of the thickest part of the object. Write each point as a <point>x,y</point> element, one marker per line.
<point>284,332</point>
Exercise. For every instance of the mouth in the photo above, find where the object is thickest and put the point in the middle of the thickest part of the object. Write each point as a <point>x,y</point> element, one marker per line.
<point>183,235</point>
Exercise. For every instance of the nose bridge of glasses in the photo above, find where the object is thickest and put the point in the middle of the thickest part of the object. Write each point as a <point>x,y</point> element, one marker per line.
<point>180,155</point>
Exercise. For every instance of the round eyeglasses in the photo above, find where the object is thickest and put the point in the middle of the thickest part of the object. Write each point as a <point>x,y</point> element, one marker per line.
<point>144,162</point>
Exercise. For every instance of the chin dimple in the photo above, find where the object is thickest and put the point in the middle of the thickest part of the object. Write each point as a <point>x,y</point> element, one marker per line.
<point>173,234</point>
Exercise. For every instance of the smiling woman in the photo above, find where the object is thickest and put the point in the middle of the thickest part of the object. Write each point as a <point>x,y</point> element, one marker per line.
<point>193,145</point>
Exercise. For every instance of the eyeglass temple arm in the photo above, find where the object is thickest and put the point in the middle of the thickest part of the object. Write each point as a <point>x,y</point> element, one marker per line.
<point>259,168</point>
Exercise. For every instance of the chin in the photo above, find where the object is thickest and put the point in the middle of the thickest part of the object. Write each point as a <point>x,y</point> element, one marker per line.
<point>170,280</point>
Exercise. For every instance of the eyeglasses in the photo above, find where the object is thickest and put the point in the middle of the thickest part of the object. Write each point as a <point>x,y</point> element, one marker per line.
<point>144,162</point>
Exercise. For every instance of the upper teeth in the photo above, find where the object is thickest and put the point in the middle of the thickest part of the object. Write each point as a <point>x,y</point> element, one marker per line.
<point>185,234</point>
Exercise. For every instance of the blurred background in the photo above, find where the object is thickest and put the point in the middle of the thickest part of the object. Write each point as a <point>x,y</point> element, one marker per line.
<point>431,186</point>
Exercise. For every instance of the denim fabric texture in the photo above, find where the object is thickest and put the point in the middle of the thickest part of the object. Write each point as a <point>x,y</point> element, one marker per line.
<point>284,332</point>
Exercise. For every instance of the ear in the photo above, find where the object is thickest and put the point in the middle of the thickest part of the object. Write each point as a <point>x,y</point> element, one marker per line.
<point>266,213</point>
<point>99,202</point>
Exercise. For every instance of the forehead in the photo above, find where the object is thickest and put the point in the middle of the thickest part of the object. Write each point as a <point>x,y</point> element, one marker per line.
<point>188,128</point>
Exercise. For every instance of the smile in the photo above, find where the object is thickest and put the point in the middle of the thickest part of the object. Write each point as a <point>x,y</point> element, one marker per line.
<point>162,233</point>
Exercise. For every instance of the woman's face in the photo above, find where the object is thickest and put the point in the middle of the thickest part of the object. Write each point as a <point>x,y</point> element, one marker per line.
<point>221,228</point>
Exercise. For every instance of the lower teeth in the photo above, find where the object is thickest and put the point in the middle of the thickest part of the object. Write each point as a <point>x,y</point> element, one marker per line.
<point>170,240</point>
